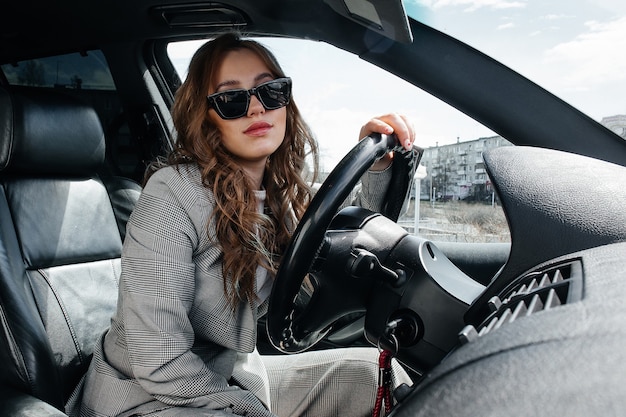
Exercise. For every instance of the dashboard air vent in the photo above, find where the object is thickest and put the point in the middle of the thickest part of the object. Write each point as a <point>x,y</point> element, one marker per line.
<point>535,291</point>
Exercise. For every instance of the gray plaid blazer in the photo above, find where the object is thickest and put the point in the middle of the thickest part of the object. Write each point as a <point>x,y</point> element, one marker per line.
<point>174,341</point>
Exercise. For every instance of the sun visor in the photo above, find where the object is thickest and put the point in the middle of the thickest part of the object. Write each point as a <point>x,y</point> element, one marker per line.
<point>386,17</point>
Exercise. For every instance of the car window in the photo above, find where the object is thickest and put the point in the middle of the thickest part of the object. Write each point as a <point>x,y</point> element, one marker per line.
<point>87,77</point>
<point>338,92</point>
<point>75,71</point>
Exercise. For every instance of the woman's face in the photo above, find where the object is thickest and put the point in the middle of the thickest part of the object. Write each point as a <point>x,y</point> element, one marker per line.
<point>255,136</point>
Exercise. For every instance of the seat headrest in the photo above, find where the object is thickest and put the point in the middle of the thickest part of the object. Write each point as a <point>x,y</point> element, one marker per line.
<point>48,132</point>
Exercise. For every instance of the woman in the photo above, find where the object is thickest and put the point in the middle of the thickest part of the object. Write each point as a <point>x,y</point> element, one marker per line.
<point>202,246</point>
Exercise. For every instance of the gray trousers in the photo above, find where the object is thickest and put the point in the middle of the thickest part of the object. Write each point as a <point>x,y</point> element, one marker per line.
<point>327,383</point>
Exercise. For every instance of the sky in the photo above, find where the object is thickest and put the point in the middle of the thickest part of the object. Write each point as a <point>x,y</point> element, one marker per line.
<point>575,49</point>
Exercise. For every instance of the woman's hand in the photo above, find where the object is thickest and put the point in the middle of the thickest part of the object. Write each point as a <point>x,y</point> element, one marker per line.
<point>388,124</point>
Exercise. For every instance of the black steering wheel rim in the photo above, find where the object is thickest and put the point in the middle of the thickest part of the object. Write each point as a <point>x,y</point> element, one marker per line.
<point>308,237</point>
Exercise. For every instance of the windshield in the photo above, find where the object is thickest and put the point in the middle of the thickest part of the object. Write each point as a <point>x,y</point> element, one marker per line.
<point>573,49</point>
<point>568,52</point>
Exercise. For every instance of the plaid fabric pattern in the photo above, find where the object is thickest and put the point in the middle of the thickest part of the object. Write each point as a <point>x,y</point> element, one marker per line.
<point>327,383</point>
<point>175,346</point>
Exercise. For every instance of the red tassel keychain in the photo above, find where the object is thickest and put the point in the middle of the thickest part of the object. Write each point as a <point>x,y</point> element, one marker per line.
<point>383,394</point>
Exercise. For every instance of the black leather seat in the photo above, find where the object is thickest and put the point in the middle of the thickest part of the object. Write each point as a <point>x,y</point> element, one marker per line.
<point>60,247</point>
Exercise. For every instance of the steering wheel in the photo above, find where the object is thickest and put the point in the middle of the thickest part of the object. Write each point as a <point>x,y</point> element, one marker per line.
<point>286,332</point>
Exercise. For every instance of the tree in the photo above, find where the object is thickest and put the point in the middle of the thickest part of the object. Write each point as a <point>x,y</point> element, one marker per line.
<point>32,73</point>
<point>77,82</point>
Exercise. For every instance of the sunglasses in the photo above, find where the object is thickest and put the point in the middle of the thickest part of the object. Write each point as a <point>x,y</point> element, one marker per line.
<point>233,104</point>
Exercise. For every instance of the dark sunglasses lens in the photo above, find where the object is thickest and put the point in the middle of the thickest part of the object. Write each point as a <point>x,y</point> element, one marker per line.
<point>232,104</point>
<point>274,94</point>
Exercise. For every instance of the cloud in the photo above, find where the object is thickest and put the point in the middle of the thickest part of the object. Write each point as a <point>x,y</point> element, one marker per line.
<point>320,91</point>
<point>336,130</point>
<point>554,17</point>
<point>504,26</point>
<point>595,56</point>
<point>472,5</point>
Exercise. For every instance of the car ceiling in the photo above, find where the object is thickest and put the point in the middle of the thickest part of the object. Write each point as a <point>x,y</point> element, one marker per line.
<point>70,25</point>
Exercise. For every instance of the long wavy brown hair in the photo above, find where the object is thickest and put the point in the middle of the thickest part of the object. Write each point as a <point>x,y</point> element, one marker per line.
<point>248,239</point>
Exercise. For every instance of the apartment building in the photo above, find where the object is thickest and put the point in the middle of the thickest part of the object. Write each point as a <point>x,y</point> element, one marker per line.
<point>616,123</point>
<point>457,171</point>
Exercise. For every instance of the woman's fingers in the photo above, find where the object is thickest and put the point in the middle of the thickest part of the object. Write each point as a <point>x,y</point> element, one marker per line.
<point>391,123</point>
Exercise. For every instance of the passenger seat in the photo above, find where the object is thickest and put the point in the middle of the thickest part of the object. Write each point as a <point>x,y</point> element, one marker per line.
<point>60,247</point>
